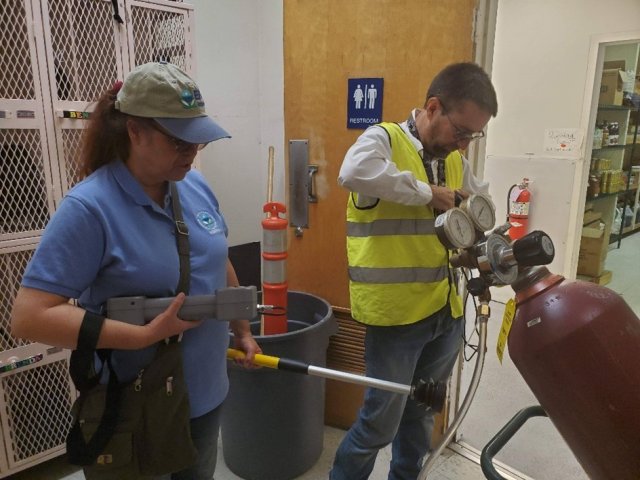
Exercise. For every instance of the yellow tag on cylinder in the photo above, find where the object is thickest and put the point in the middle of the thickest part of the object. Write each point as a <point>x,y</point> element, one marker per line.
<point>507,320</point>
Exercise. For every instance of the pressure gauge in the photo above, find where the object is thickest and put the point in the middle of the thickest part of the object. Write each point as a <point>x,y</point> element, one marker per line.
<point>455,229</point>
<point>481,210</point>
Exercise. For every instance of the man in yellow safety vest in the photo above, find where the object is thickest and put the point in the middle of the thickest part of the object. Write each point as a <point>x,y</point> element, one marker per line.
<point>401,287</point>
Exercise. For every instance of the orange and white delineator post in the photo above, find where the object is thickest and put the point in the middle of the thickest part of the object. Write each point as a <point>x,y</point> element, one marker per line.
<point>274,261</point>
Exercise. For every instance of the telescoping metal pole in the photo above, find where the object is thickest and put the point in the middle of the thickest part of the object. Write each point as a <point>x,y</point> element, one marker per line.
<point>432,394</point>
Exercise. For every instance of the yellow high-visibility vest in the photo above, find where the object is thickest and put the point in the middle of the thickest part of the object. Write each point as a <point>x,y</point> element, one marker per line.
<point>398,269</point>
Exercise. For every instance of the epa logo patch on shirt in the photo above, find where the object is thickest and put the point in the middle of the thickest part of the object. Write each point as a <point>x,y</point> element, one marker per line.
<point>208,222</point>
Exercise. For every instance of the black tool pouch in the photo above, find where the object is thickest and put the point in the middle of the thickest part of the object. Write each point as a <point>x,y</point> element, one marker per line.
<point>136,429</point>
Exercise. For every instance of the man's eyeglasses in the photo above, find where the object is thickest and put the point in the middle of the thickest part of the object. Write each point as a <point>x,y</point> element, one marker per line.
<point>461,134</point>
<point>180,145</point>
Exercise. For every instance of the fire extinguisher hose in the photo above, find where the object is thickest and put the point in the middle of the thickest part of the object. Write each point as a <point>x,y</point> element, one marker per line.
<point>483,318</point>
<point>509,199</point>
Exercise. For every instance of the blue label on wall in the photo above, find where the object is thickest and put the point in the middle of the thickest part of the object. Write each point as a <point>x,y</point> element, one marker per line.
<point>364,102</point>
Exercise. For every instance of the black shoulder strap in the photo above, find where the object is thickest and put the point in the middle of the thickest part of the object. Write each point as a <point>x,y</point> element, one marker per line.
<point>81,369</point>
<point>81,365</point>
<point>182,237</point>
<point>83,452</point>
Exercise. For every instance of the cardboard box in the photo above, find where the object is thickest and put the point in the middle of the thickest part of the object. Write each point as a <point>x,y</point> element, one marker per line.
<point>593,230</point>
<point>613,78</point>
<point>593,253</point>
<point>591,216</point>
<point>603,279</point>
<point>611,87</point>
<point>609,64</point>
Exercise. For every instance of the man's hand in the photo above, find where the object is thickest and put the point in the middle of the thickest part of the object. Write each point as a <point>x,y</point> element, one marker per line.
<point>460,196</point>
<point>443,198</point>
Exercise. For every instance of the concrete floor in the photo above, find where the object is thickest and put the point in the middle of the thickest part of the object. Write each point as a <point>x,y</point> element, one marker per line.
<point>450,466</point>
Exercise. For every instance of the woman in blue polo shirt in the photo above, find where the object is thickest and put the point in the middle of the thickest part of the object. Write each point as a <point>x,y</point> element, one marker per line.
<point>114,235</point>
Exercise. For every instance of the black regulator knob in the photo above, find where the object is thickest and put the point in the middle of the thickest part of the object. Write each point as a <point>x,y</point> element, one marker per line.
<point>477,286</point>
<point>535,248</point>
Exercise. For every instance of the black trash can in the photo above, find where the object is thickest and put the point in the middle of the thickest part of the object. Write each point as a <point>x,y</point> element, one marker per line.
<point>272,420</point>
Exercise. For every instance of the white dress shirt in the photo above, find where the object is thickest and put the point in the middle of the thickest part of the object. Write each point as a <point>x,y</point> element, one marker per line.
<point>367,169</point>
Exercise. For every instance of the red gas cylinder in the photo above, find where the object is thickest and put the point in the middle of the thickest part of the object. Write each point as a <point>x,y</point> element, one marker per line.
<point>577,345</point>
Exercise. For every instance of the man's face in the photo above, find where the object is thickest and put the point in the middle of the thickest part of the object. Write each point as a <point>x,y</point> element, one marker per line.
<point>443,130</point>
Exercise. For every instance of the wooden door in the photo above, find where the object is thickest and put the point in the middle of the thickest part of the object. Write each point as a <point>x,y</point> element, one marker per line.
<point>326,42</point>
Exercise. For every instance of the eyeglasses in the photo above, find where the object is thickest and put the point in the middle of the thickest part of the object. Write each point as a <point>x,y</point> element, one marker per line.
<point>461,134</point>
<point>180,145</point>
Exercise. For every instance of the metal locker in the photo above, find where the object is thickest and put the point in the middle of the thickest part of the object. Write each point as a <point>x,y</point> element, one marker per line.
<point>56,57</point>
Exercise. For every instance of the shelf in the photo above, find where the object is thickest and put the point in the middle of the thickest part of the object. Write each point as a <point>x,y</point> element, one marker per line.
<point>620,108</point>
<point>614,237</point>
<point>604,195</point>
<point>628,190</point>
<point>613,147</point>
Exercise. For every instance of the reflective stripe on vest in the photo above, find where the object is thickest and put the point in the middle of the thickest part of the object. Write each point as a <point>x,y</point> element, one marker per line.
<point>398,269</point>
<point>405,226</point>
<point>398,274</point>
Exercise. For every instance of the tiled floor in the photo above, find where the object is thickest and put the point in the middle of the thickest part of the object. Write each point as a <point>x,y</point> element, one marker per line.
<point>625,265</point>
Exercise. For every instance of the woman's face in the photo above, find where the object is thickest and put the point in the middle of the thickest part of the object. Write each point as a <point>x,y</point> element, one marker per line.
<point>156,156</point>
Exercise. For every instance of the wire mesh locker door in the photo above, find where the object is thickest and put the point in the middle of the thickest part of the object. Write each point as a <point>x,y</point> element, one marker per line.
<point>160,33</point>
<point>84,56</point>
<point>26,182</point>
<point>58,56</point>
<point>35,393</point>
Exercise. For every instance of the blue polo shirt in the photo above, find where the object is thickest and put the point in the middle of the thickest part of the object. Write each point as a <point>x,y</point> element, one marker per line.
<point>109,239</point>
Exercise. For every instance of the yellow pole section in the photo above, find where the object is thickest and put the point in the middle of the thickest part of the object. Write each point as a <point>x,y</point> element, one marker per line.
<point>259,359</point>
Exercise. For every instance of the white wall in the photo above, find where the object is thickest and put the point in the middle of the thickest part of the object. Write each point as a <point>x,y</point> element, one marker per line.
<point>543,80</point>
<point>239,68</point>
<point>540,65</point>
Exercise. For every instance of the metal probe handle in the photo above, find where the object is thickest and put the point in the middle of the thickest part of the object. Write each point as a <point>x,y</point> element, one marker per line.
<point>430,394</point>
<point>232,303</point>
<point>300,367</point>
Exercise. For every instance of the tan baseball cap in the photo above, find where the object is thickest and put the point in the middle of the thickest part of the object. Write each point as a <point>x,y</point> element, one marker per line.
<point>168,95</point>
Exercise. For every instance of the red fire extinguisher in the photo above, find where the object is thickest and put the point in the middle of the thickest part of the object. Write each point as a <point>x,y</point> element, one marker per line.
<point>518,209</point>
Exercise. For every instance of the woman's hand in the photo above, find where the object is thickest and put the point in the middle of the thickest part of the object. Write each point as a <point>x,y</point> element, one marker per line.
<point>243,340</point>
<point>168,324</point>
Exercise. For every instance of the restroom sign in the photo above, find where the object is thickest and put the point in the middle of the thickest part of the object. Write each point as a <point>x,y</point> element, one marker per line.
<point>364,102</point>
